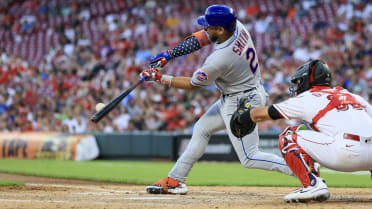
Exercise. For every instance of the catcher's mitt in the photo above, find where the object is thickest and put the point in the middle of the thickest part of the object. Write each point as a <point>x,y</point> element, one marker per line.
<point>238,129</point>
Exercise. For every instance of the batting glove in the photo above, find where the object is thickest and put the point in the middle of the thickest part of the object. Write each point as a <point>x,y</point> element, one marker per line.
<point>154,75</point>
<point>160,60</point>
<point>151,75</point>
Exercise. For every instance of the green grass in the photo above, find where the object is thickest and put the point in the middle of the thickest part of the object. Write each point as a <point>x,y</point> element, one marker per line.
<point>135,172</point>
<point>10,183</point>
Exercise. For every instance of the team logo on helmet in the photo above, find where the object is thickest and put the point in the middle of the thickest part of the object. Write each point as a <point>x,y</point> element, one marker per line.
<point>201,75</point>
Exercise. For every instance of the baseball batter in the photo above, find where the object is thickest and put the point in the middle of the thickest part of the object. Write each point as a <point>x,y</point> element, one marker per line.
<point>341,122</point>
<point>233,67</point>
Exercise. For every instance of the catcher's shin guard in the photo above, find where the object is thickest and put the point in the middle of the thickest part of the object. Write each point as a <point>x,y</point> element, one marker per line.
<point>297,159</point>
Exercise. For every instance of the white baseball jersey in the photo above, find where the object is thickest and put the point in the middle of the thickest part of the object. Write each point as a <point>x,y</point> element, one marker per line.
<point>233,65</point>
<point>342,127</point>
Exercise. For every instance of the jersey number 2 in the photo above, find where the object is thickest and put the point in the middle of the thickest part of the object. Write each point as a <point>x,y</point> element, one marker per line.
<point>250,55</point>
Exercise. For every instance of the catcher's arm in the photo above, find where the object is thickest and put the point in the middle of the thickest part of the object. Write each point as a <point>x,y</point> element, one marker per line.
<point>257,114</point>
<point>244,120</point>
<point>260,114</point>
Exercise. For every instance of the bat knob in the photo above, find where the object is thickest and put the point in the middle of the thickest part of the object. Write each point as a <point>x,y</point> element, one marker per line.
<point>95,119</point>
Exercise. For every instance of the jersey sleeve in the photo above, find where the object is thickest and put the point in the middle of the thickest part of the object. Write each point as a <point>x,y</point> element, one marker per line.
<point>364,103</point>
<point>208,73</point>
<point>292,108</point>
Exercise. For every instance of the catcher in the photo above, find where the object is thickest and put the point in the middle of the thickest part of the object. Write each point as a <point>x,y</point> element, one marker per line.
<point>337,133</point>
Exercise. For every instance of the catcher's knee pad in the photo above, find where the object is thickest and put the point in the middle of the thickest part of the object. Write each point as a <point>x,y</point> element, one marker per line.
<point>296,158</point>
<point>293,129</point>
<point>287,140</point>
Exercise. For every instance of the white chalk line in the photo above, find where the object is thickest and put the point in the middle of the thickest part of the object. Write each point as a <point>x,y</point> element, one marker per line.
<point>108,191</point>
<point>51,201</point>
<point>44,201</point>
<point>86,187</point>
<point>150,198</point>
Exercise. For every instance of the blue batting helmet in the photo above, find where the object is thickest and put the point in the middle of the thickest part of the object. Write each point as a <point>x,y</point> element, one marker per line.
<point>220,16</point>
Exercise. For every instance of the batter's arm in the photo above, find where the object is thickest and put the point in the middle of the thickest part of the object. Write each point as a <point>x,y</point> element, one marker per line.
<point>170,81</point>
<point>183,83</point>
<point>191,43</point>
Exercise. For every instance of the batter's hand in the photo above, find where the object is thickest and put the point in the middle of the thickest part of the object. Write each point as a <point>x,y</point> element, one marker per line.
<point>160,60</point>
<point>151,75</point>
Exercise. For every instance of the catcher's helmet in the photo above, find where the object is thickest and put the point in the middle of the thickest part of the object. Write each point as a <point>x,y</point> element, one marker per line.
<point>312,73</point>
<point>220,16</point>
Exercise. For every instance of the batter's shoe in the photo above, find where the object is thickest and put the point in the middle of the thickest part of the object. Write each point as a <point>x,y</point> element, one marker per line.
<point>167,186</point>
<point>318,192</point>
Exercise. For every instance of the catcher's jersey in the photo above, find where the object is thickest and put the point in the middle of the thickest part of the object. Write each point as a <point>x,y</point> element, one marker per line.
<point>233,65</point>
<point>353,115</point>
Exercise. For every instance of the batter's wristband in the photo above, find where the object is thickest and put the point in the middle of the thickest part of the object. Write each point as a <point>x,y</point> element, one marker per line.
<point>166,80</point>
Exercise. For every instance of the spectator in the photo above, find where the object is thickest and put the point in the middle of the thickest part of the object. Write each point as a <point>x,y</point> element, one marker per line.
<point>77,54</point>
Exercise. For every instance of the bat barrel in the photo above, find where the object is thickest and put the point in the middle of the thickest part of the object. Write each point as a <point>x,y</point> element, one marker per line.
<point>102,113</point>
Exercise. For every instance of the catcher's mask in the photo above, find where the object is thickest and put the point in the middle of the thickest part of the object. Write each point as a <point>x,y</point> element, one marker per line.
<point>312,73</point>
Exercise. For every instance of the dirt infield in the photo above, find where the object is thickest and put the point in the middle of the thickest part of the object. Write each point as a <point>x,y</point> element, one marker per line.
<point>46,193</point>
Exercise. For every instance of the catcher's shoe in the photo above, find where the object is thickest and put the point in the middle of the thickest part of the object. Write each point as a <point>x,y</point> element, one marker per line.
<point>167,186</point>
<point>318,192</point>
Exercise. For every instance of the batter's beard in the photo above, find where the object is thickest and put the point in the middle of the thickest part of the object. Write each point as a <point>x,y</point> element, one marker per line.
<point>213,38</point>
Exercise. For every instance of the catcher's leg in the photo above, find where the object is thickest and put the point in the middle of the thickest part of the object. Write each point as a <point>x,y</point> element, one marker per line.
<point>209,123</point>
<point>314,188</point>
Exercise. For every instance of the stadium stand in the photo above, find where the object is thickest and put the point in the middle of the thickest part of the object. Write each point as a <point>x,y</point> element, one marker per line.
<point>61,57</point>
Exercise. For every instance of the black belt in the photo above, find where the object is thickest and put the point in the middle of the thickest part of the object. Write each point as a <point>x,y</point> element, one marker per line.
<point>235,93</point>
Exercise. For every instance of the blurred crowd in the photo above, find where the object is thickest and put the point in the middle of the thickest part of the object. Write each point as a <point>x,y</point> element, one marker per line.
<point>97,53</point>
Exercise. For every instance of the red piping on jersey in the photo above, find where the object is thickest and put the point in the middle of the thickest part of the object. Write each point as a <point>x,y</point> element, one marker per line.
<point>336,100</point>
<point>315,142</point>
<point>281,111</point>
<point>312,125</point>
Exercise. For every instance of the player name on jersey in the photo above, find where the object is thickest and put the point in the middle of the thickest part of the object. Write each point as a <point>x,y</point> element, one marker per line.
<point>240,42</point>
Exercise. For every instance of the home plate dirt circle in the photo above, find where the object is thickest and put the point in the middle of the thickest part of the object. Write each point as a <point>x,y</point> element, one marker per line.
<point>46,193</point>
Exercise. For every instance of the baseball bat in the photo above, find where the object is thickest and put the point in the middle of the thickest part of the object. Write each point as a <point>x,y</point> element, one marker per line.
<point>113,103</point>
